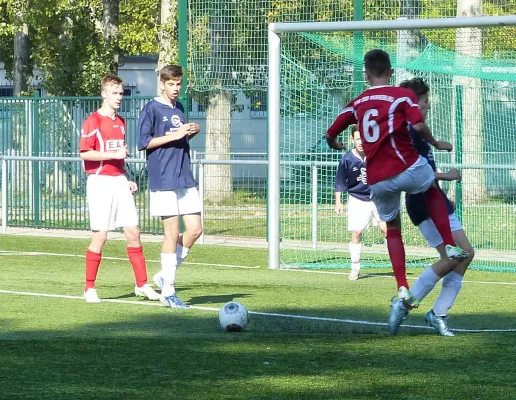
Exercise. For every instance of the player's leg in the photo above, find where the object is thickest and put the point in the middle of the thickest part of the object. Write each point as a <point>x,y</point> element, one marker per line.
<point>99,195</point>
<point>127,218</point>
<point>358,220</point>
<point>386,197</point>
<point>189,205</point>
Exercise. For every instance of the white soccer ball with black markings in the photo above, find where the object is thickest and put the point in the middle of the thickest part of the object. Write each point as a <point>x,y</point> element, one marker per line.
<point>233,317</point>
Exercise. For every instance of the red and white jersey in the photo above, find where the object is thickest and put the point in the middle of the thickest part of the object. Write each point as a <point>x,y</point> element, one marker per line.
<point>383,114</point>
<point>103,134</point>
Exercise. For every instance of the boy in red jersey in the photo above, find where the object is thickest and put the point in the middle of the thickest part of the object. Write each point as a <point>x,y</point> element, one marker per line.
<point>384,113</point>
<point>109,193</point>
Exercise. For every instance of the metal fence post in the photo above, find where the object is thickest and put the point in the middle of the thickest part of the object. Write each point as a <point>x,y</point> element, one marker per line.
<point>201,196</point>
<point>314,205</point>
<point>4,196</point>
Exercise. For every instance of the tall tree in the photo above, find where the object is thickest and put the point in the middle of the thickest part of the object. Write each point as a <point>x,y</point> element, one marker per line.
<point>469,42</point>
<point>110,22</point>
<point>168,48</point>
<point>21,47</point>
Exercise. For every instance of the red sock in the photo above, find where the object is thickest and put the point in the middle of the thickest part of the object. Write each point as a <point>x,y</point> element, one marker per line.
<point>92,267</point>
<point>397,255</point>
<point>439,213</point>
<point>138,262</point>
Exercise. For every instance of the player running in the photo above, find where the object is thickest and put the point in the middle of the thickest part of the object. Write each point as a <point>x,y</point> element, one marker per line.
<point>383,113</point>
<point>351,178</point>
<point>452,274</point>
<point>110,201</point>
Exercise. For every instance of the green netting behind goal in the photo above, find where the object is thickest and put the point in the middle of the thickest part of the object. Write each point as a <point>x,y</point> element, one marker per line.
<point>472,76</point>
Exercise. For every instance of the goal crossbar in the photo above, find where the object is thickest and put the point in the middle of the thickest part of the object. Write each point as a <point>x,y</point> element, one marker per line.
<point>274,97</point>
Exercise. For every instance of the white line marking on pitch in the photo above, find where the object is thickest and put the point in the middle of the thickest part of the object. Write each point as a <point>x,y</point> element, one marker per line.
<point>37,253</point>
<point>263,314</point>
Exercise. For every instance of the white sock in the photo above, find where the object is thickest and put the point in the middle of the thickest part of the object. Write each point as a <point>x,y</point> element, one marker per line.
<point>452,283</point>
<point>424,284</point>
<point>355,249</point>
<point>182,253</point>
<point>168,272</point>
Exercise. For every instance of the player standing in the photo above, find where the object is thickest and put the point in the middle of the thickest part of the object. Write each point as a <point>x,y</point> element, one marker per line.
<point>110,201</point>
<point>418,213</point>
<point>351,178</point>
<point>393,165</point>
<point>164,134</point>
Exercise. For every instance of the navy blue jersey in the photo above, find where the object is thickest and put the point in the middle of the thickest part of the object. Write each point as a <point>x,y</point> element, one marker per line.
<point>351,177</point>
<point>416,204</point>
<point>168,166</point>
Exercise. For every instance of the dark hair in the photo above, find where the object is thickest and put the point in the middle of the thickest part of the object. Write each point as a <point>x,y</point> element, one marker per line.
<point>169,72</point>
<point>417,85</point>
<point>377,63</point>
<point>110,78</point>
<point>354,128</point>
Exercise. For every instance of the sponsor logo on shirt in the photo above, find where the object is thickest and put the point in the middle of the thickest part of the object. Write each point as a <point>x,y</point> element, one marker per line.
<point>176,121</point>
<point>114,145</point>
<point>362,177</point>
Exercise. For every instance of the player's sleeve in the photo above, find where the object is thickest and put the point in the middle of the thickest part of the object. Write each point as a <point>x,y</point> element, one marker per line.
<point>412,111</point>
<point>341,177</point>
<point>89,131</point>
<point>345,119</point>
<point>145,128</point>
<point>180,106</point>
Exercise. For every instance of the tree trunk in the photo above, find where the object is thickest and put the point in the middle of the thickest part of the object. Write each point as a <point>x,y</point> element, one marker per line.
<point>218,178</point>
<point>469,42</point>
<point>409,41</point>
<point>21,60</point>
<point>110,17</point>
<point>168,51</point>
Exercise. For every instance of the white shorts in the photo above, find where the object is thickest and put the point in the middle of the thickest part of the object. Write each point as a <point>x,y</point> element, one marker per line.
<point>170,203</point>
<point>110,203</point>
<point>431,234</point>
<point>386,194</point>
<point>360,214</point>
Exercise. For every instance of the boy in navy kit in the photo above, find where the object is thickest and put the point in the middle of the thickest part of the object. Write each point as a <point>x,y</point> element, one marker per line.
<point>383,113</point>
<point>418,213</point>
<point>164,134</point>
<point>351,178</point>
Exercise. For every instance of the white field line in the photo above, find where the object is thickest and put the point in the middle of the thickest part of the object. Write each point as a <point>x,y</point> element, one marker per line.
<point>38,253</point>
<point>263,314</point>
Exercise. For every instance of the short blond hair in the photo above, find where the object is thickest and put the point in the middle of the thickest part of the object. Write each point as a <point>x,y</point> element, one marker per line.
<point>110,79</point>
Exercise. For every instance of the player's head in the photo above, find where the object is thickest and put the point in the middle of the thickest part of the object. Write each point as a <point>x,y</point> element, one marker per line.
<point>170,79</point>
<point>418,86</point>
<point>112,91</point>
<point>355,138</point>
<point>378,67</point>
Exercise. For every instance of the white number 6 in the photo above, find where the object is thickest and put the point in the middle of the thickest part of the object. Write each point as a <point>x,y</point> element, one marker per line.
<point>370,126</point>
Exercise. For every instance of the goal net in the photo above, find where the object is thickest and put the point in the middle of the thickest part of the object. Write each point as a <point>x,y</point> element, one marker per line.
<point>471,72</point>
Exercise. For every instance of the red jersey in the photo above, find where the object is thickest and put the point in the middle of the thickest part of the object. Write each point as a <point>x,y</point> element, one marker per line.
<point>103,134</point>
<point>383,114</point>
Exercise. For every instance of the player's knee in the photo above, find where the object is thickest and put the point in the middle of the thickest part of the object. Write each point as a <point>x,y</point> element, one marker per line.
<point>133,235</point>
<point>356,234</point>
<point>471,252</point>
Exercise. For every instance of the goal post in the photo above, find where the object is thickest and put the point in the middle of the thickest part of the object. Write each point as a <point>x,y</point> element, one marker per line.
<point>275,106</point>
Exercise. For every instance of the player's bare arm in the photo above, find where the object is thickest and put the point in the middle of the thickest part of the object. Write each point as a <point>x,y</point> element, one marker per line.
<point>159,141</point>
<point>339,207</point>
<point>94,155</point>
<point>452,175</point>
<point>423,131</point>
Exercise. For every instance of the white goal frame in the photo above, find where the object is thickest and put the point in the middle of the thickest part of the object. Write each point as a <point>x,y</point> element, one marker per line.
<point>274,93</point>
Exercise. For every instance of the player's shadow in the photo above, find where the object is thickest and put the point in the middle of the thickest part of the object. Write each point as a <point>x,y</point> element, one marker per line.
<point>224,298</point>
<point>132,296</point>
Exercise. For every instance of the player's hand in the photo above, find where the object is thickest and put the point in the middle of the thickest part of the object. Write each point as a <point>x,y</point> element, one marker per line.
<point>454,175</point>
<point>120,154</point>
<point>193,129</point>
<point>133,187</point>
<point>443,146</point>
<point>339,208</point>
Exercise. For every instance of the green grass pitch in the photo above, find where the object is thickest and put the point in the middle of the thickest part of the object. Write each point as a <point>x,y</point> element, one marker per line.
<point>53,345</point>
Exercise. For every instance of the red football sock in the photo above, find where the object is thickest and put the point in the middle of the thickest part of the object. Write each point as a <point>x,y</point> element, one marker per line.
<point>138,262</point>
<point>92,267</point>
<point>397,255</point>
<point>439,213</point>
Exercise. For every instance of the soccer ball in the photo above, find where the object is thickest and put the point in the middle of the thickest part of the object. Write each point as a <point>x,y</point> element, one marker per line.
<point>233,317</point>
